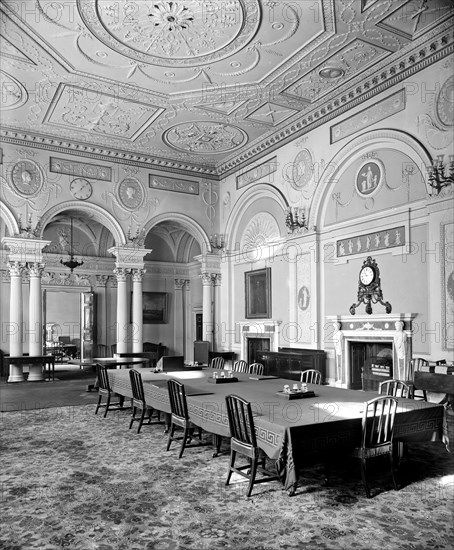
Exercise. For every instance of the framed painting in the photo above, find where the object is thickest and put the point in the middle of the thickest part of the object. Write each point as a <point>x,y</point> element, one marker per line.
<point>154,307</point>
<point>258,293</point>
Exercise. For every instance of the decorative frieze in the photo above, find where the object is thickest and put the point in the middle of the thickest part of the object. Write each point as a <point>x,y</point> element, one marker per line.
<point>80,169</point>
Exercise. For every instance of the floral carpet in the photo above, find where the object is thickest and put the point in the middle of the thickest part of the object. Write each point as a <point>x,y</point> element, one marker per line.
<point>71,479</point>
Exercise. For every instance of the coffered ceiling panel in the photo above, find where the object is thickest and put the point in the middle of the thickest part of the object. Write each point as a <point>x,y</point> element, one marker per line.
<point>202,86</point>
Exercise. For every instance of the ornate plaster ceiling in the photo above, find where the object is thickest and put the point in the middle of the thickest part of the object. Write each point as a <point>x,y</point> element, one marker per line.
<point>202,86</point>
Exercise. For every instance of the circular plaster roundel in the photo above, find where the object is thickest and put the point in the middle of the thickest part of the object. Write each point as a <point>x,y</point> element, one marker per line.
<point>27,178</point>
<point>445,103</point>
<point>204,137</point>
<point>130,193</point>
<point>173,34</point>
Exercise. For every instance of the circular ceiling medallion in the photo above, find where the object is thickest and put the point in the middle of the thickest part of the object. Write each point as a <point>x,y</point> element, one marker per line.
<point>130,193</point>
<point>204,137</point>
<point>178,34</point>
<point>445,103</point>
<point>27,178</point>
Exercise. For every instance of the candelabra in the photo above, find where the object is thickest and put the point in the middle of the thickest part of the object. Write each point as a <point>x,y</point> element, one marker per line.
<point>437,176</point>
<point>28,231</point>
<point>137,238</point>
<point>217,241</point>
<point>295,219</point>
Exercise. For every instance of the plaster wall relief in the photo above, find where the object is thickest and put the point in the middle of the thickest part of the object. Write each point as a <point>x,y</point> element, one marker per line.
<point>25,188</point>
<point>369,184</point>
<point>375,113</point>
<point>258,236</point>
<point>437,125</point>
<point>304,299</point>
<point>205,137</point>
<point>447,291</point>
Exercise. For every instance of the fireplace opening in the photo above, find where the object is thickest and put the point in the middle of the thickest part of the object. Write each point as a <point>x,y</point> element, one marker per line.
<point>370,364</point>
<point>254,345</point>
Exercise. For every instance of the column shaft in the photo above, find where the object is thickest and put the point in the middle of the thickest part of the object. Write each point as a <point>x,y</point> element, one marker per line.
<point>122,309</point>
<point>207,308</point>
<point>15,330</point>
<point>178,325</point>
<point>137,310</point>
<point>35,317</point>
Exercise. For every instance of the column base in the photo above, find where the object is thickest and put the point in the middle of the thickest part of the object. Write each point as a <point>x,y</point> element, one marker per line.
<point>35,374</point>
<point>16,376</point>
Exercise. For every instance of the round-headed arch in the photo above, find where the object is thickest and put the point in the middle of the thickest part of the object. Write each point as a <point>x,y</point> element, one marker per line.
<point>95,212</point>
<point>192,227</point>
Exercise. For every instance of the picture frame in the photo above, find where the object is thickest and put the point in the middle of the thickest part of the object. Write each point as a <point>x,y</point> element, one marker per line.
<point>258,293</point>
<point>154,307</point>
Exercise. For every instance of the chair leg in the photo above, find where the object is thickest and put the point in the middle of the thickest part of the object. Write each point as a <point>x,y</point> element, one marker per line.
<point>231,465</point>
<point>107,406</point>
<point>142,416</point>
<point>183,440</point>
<point>99,404</point>
<point>391,465</point>
<point>254,464</point>
<point>364,477</point>
<point>134,409</point>
<point>169,441</point>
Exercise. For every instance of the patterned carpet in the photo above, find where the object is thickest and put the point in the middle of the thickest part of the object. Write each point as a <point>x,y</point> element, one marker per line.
<point>76,480</point>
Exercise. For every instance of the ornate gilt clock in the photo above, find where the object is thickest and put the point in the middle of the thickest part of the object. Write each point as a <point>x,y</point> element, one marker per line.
<point>369,287</point>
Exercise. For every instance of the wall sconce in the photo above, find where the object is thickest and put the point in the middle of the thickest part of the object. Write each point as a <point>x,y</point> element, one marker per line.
<point>437,177</point>
<point>137,238</point>
<point>295,219</point>
<point>28,230</point>
<point>217,242</point>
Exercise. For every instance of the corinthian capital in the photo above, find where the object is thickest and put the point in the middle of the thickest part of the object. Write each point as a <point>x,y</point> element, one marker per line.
<point>16,269</point>
<point>35,269</point>
<point>138,274</point>
<point>206,278</point>
<point>121,273</point>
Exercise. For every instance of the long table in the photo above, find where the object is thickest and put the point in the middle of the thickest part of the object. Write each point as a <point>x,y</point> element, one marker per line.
<point>288,431</point>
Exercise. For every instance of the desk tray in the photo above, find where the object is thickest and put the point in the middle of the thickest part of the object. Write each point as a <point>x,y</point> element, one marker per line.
<point>296,394</point>
<point>222,380</point>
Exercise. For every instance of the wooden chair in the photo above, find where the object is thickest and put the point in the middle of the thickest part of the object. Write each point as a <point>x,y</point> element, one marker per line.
<point>416,365</point>
<point>243,441</point>
<point>311,376</point>
<point>105,389</point>
<point>240,366</point>
<point>113,349</point>
<point>377,435</point>
<point>138,402</point>
<point>395,388</point>
<point>256,368</point>
<point>180,418</point>
<point>217,363</point>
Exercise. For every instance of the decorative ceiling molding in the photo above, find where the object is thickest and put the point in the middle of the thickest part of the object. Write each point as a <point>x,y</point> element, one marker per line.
<point>126,75</point>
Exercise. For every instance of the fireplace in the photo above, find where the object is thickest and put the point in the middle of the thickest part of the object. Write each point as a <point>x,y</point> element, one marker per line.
<point>358,339</point>
<point>371,360</point>
<point>258,335</point>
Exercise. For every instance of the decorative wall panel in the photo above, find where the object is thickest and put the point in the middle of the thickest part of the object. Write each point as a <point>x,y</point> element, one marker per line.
<point>173,184</point>
<point>381,110</point>
<point>81,169</point>
<point>259,172</point>
<point>379,240</point>
<point>447,293</point>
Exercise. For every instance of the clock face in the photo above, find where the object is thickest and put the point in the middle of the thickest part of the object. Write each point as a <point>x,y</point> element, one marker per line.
<point>367,275</point>
<point>81,189</point>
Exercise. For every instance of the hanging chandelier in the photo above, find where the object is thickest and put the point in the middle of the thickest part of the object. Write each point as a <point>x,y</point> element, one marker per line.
<point>72,263</point>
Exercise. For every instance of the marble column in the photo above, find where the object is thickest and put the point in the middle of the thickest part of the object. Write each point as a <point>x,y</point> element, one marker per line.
<point>137,310</point>
<point>122,274</point>
<point>35,319</point>
<point>188,334</point>
<point>207,306</point>
<point>179,318</point>
<point>216,278</point>
<point>15,331</point>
